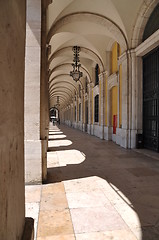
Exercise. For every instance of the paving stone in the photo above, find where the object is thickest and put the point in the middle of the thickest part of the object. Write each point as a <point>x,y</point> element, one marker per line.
<point>96,219</point>
<point>97,190</point>
<point>54,222</point>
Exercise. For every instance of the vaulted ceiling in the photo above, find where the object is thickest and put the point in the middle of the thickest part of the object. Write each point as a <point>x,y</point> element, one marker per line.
<point>94,25</point>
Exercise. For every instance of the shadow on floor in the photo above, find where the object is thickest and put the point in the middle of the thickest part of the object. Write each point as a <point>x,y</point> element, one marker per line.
<point>134,174</point>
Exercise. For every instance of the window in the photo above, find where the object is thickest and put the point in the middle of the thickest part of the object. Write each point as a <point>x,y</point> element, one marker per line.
<point>152,24</point>
<point>96,108</point>
<point>96,75</point>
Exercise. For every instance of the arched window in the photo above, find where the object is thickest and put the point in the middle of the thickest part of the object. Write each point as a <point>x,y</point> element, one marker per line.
<point>152,24</point>
<point>96,108</point>
<point>96,75</point>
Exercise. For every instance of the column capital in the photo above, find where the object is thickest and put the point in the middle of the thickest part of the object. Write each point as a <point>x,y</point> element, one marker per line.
<point>125,55</point>
<point>122,58</point>
<point>102,75</point>
<point>90,85</point>
<point>48,49</point>
<point>48,2</point>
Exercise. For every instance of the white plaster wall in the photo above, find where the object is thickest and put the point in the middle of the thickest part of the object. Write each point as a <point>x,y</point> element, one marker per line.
<point>12,47</point>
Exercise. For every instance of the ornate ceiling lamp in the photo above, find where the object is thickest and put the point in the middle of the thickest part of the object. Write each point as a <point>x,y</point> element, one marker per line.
<point>76,74</point>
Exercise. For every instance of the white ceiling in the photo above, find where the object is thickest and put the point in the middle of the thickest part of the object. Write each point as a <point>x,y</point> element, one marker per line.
<point>94,25</point>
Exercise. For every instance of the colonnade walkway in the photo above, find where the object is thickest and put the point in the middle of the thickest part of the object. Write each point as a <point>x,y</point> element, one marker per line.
<point>96,190</point>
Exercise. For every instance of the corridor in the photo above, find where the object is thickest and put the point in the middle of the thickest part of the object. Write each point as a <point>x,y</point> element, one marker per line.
<point>95,190</point>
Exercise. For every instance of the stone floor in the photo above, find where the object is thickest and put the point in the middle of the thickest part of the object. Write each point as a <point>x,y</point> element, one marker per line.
<point>96,190</point>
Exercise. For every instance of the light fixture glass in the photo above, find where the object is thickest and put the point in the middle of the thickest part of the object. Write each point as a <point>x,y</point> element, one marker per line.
<point>76,74</point>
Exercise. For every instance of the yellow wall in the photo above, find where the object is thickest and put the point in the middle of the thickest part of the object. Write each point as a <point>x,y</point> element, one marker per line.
<point>106,109</point>
<point>114,102</point>
<point>114,89</point>
<point>114,58</point>
<point>120,97</point>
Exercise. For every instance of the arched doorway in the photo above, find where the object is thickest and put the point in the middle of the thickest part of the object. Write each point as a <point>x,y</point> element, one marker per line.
<point>151,87</point>
<point>151,100</point>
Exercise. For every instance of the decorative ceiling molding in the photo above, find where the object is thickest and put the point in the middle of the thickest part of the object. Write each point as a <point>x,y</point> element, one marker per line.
<point>48,2</point>
<point>65,75</point>
<point>60,67</point>
<point>88,51</point>
<point>62,87</point>
<point>66,82</point>
<point>109,24</point>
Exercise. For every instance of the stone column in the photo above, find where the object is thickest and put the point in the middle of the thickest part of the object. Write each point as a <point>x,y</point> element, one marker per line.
<point>108,128</point>
<point>33,150</point>
<point>135,109</point>
<point>90,85</point>
<point>82,108</point>
<point>83,111</point>
<point>44,94</point>
<point>12,65</point>
<point>125,100</point>
<point>71,113</point>
<point>102,98</point>
<point>132,101</point>
<point>73,118</point>
<point>77,111</point>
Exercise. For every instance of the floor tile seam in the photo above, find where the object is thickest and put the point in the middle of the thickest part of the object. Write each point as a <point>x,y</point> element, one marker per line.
<point>126,223</point>
<point>122,218</point>
<point>66,197</point>
<point>117,194</point>
<point>55,235</point>
<point>35,237</point>
<point>106,231</point>
<point>69,211</point>
<point>146,154</point>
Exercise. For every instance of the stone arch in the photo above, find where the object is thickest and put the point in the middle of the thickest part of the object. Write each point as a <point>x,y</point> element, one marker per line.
<point>143,15</point>
<point>61,93</point>
<point>63,82</point>
<point>65,75</point>
<point>110,25</point>
<point>68,65</point>
<point>64,87</point>
<point>63,99</point>
<point>83,49</point>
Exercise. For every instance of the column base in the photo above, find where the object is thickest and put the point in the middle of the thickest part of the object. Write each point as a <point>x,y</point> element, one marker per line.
<point>108,131</point>
<point>44,160</point>
<point>28,233</point>
<point>89,128</point>
<point>33,162</point>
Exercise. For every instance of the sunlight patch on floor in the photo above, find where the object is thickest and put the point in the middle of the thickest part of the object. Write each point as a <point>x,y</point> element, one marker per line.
<point>57,136</point>
<point>55,132</point>
<point>59,143</point>
<point>95,193</point>
<point>64,158</point>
